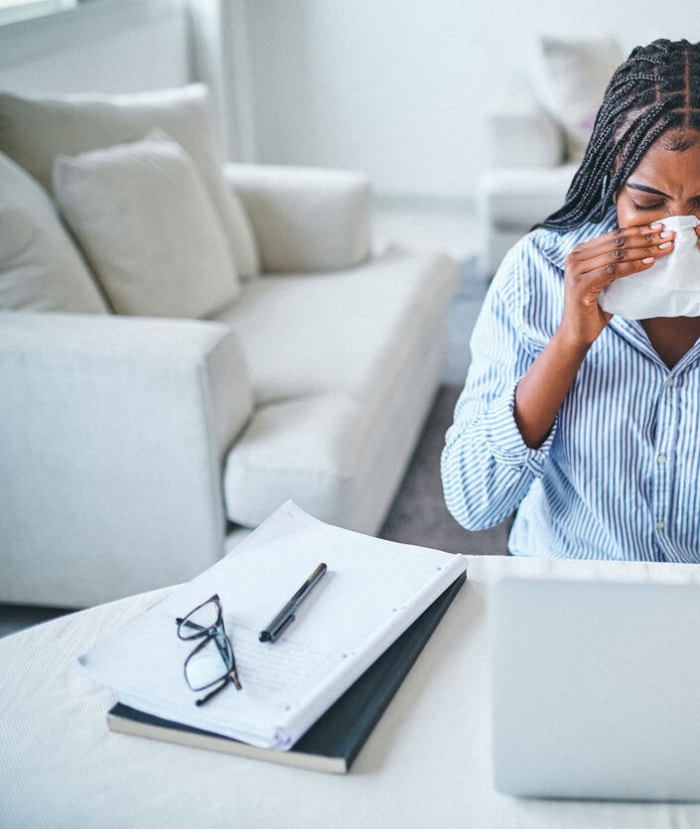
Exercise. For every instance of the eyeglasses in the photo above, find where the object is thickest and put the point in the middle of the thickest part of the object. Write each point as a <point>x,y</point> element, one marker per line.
<point>212,662</point>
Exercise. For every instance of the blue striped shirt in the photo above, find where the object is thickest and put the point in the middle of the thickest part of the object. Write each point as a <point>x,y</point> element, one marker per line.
<point>618,475</point>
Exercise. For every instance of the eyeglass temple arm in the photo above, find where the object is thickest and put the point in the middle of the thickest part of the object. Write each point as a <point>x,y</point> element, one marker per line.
<point>180,621</point>
<point>232,676</point>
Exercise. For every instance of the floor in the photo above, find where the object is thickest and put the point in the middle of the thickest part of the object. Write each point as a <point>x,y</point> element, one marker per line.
<point>448,226</point>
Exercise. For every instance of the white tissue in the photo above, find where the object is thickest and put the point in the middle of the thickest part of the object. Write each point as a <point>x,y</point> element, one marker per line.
<point>670,288</point>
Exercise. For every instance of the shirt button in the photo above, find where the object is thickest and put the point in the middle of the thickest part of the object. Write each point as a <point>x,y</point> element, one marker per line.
<point>661,458</point>
<point>671,382</point>
<point>660,525</point>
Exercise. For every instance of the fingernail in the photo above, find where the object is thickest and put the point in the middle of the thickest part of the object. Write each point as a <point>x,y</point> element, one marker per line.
<point>648,260</point>
<point>667,234</point>
<point>665,245</point>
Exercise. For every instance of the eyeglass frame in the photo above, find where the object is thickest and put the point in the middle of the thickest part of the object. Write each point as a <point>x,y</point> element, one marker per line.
<point>217,633</point>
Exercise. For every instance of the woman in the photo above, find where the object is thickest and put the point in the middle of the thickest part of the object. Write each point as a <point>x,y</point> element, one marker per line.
<point>587,423</point>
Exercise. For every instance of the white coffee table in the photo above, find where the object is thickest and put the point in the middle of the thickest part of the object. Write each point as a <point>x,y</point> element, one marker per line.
<point>427,763</point>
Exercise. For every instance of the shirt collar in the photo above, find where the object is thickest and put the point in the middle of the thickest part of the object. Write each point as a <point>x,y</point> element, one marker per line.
<point>633,332</point>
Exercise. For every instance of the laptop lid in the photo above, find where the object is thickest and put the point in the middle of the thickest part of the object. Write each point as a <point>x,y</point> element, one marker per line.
<point>596,689</point>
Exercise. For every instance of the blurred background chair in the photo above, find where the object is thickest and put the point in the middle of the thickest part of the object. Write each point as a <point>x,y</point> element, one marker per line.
<point>538,131</point>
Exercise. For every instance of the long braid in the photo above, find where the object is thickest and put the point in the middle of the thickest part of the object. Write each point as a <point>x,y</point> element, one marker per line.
<point>655,90</point>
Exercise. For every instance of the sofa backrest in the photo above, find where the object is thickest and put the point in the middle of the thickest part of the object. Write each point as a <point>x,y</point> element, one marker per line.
<point>40,133</point>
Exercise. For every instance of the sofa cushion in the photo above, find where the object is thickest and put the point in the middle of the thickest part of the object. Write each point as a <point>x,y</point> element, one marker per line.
<point>571,76</point>
<point>143,216</point>
<point>33,131</point>
<point>340,331</point>
<point>40,268</point>
<point>334,386</point>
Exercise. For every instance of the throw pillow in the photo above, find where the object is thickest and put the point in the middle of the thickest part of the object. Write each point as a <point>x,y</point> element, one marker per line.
<point>144,219</point>
<point>34,131</point>
<point>40,267</point>
<point>570,77</point>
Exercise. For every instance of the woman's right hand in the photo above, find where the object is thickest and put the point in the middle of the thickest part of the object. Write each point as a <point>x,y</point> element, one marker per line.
<point>593,265</point>
<point>589,268</point>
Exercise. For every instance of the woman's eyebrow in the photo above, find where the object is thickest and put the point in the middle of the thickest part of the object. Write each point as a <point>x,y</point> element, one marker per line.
<point>645,189</point>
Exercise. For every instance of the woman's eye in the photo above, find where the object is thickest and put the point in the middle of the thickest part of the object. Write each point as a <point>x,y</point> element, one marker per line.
<point>655,206</point>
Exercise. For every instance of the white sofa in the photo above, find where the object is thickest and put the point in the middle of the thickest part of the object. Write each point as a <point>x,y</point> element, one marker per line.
<point>537,132</point>
<point>185,345</point>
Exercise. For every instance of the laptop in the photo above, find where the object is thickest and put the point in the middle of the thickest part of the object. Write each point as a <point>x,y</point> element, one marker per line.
<point>596,690</point>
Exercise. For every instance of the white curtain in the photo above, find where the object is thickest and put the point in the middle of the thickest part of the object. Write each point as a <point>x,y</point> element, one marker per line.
<point>219,54</point>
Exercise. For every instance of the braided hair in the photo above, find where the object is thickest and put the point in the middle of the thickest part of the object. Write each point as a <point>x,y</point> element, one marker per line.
<point>655,90</point>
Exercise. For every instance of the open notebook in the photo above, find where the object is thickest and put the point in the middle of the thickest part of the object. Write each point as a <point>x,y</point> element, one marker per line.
<point>373,591</point>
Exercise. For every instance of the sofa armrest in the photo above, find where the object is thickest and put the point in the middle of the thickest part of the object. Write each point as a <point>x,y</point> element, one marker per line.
<point>305,219</point>
<point>112,444</point>
<point>521,133</point>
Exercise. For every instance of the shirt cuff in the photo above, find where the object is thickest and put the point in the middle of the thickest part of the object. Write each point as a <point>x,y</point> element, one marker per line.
<point>504,438</point>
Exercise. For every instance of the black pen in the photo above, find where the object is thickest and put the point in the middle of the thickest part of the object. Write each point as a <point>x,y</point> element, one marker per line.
<point>285,617</point>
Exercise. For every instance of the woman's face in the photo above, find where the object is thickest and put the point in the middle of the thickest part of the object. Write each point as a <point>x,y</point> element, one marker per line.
<point>666,182</point>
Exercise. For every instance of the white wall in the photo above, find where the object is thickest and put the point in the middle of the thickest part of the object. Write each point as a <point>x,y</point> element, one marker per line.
<point>400,87</point>
<point>129,46</point>
<point>135,45</point>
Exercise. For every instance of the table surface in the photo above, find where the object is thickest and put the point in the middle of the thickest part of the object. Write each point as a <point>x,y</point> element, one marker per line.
<point>428,761</point>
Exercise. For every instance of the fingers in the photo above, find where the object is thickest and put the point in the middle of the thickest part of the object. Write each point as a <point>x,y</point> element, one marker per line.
<point>593,265</point>
<point>621,252</point>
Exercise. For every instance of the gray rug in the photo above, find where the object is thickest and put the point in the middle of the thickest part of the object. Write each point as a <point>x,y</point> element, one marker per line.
<point>419,515</point>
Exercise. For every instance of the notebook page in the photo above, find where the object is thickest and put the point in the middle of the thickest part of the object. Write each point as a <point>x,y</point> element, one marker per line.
<point>373,590</point>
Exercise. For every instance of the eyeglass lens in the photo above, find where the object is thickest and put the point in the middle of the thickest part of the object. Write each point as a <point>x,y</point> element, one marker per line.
<point>212,661</point>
